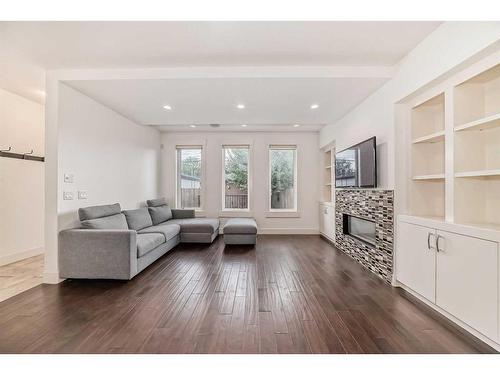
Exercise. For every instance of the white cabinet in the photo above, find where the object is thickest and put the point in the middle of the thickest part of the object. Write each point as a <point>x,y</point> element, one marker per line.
<point>416,260</point>
<point>457,273</point>
<point>327,220</point>
<point>466,280</point>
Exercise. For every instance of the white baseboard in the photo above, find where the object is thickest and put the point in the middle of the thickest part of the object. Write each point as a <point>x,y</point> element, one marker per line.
<point>16,257</point>
<point>288,231</point>
<point>51,278</point>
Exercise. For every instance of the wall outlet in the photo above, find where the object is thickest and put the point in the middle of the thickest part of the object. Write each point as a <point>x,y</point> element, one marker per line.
<point>82,194</point>
<point>68,195</point>
<point>69,178</point>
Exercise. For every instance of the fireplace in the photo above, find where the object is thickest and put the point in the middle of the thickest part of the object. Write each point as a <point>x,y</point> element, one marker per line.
<point>362,229</point>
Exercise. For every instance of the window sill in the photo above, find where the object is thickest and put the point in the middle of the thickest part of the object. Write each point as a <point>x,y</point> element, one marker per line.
<point>236,213</point>
<point>282,214</point>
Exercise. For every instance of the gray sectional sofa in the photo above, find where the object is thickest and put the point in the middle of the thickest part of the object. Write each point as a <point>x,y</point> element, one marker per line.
<point>116,244</point>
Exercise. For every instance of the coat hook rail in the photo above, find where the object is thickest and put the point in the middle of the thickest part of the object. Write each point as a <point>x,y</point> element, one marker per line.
<point>25,156</point>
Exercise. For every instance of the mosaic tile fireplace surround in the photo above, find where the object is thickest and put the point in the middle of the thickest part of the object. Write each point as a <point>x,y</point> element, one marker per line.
<point>376,206</point>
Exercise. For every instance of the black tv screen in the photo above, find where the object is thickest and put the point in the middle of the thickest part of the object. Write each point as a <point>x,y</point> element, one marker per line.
<point>357,165</point>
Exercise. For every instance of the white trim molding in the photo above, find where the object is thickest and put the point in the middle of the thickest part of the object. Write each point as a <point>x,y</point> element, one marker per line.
<point>288,231</point>
<point>16,257</point>
<point>52,278</point>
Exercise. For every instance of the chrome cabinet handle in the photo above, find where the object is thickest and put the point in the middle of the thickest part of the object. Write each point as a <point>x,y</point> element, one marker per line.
<point>437,243</point>
<point>429,235</point>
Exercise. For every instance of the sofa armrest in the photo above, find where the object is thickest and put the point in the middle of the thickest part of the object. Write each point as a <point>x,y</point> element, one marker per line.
<point>98,254</point>
<point>182,214</point>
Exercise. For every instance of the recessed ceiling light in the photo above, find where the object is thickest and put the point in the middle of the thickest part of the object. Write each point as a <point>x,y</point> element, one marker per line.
<point>240,106</point>
<point>192,126</point>
<point>244,125</point>
<point>314,106</point>
<point>296,125</point>
<point>167,107</point>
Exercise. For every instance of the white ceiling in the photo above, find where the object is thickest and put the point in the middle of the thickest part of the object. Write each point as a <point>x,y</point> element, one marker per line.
<point>30,48</point>
<point>205,101</point>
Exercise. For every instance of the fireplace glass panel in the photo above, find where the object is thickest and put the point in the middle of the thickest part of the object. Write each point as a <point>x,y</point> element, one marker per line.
<point>360,228</point>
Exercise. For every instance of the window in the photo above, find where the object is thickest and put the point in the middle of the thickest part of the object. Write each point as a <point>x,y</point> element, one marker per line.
<point>236,176</point>
<point>283,178</point>
<point>189,177</point>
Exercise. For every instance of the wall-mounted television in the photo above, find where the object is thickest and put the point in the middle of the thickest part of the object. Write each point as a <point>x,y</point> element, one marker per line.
<point>356,167</point>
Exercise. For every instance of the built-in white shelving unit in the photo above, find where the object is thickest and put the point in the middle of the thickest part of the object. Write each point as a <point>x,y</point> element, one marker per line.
<point>327,205</point>
<point>427,158</point>
<point>448,196</point>
<point>328,176</point>
<point>477,149</point>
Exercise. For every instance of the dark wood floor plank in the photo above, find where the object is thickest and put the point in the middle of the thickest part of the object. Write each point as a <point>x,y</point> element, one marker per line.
<point>288,294</point>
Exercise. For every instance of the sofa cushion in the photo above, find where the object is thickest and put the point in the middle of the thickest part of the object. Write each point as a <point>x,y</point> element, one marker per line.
<point>240,226</point>
<point>117,221</point>
<point>183,213</point>
<point>94,212</point>
<point>156,202</point>
<point>160,214</point>
<point>168,230</point>
<point>147,242</point>
<point>138,219</point>
<point>197,225</point>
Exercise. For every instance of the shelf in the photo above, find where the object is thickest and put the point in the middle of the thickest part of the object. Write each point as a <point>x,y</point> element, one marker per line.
<point>479,173</point>
<point>428,118</point>
<point>484,123</point>
<point>439,176</point>
<point>431,138</point>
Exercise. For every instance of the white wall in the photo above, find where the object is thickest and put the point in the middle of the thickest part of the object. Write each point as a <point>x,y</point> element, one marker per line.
<point>21,181</point>
<point>308,165</point>
<point>443,50</point>
<point>112,159</point>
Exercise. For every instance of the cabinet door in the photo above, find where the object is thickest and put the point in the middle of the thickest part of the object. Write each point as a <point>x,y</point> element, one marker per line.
<point>416,259</point>
<point>329,221</point>
<point>322,218</point>
<point>467,280</point>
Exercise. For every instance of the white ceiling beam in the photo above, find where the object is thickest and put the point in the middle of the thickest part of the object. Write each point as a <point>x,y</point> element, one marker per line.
<point>227,72</point>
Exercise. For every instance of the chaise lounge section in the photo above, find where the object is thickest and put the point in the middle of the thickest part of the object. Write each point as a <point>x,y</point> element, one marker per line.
<point>116,244</point>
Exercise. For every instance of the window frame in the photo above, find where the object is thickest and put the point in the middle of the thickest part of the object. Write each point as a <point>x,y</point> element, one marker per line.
<point>179,148</point>
<point>295,209</point>
<point>223,209</point>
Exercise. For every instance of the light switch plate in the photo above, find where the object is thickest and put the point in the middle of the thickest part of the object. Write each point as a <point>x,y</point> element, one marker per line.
<point>82,194</point>
<point>69,178</point>
<point>68,195</point>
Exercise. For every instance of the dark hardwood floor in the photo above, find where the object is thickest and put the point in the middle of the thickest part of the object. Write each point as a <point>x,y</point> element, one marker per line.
<point>291,294</point>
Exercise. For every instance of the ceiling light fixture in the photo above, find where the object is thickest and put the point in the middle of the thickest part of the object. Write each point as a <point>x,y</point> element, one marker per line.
<point>314,106</point>
<point>244,125</point>
<point>296,125</point>
<point>192,126</point>
<point>167,107</point>
<point>240,106</point>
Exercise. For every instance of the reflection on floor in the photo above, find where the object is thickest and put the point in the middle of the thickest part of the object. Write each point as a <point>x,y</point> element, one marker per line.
<point>17,277</point>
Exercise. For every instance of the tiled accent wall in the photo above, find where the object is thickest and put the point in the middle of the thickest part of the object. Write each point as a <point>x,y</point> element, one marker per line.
<point>375,205</point>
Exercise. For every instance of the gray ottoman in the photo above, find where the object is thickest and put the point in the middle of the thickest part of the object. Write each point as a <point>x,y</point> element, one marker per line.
<point>240,231</point>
